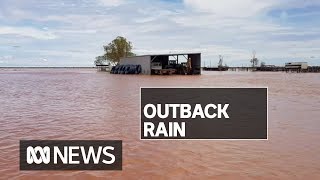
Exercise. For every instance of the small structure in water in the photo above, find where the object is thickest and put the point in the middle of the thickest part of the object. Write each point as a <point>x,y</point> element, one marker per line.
<point>103,67</point>
<point>163,64</point>
<point>296,67</point>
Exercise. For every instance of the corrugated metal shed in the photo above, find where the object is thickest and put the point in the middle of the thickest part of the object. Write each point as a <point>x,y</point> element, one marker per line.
<point>146,61</point>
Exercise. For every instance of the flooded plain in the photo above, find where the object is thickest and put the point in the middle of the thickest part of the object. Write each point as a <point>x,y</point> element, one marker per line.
<point>82,104</point>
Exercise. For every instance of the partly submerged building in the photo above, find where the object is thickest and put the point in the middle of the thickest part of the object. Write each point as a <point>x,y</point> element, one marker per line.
<point>103,67</point>
<point>296,66</point>
<point>188,63</point>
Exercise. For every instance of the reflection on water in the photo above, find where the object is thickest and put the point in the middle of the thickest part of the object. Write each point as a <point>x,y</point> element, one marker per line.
<point>67,104</point>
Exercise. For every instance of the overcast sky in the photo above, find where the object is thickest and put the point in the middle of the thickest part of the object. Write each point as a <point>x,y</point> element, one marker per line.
<point>71,33</point>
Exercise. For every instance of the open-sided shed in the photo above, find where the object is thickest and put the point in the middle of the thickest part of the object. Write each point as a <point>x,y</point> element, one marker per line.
<point>182,63</point>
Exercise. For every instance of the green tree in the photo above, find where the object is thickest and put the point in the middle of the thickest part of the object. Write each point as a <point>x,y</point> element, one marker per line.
<point>117,49</point>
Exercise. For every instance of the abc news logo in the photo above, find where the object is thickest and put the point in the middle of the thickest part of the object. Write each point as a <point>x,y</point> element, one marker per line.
<point>67,155</point>
<point>44,155</point>
<point>70,155</point>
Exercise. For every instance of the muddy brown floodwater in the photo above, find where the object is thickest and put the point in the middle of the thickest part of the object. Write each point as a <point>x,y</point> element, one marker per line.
<point>69,104</point>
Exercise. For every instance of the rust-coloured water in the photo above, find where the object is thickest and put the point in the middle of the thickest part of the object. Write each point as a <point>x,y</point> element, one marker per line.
<point>81,104</point>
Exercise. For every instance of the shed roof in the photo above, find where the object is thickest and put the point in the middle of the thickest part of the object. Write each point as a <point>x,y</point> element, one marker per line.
<point>170,54</point>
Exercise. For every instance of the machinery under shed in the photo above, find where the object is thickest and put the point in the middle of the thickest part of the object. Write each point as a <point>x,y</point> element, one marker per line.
<point>163,64</point>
